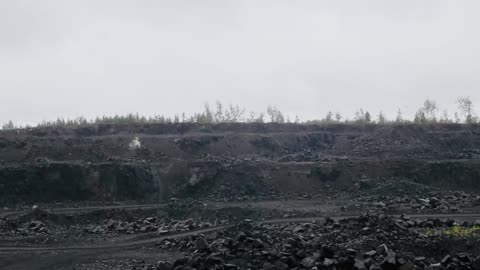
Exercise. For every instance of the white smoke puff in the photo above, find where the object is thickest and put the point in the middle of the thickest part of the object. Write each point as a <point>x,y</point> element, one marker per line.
<point>135,143</point>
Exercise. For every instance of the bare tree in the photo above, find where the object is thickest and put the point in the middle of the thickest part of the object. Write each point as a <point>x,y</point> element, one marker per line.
<point>359,115</point>
<point>457,118</point>
<point>275,115</point>
<point>399,118</point>
<point>252,116</point>
<point>234,114</point>
<point>8,125</point>
<point>445,118</point>
<point>260,118</point>
<point>430,109</point>
<point>329,117</point>
<point>381,118</point>
<point>368,117</point>
<point>207,116</point>
<point>219,113</point>
<point>465,105</point>
<point>420,117</point>
<point>338,117</point>
<point>297,119</point>
<point>363,116</point>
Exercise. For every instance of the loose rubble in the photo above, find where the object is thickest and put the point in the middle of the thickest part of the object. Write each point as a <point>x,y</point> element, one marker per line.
<point>365,242</point>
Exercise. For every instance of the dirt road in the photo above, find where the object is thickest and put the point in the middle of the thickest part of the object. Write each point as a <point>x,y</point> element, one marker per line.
<point>135,243</point>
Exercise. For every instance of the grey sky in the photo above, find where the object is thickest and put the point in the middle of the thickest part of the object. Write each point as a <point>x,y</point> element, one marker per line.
<point>93,57</point>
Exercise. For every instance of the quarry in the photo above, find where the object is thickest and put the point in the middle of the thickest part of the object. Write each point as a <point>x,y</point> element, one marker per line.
<point>241,196</point>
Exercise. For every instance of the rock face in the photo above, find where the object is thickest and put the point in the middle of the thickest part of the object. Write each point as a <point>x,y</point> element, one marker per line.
<point>230,161</point>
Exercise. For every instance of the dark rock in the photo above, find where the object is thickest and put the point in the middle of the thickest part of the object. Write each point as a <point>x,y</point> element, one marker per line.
<point>464,257</point>
<point>36,225</point>
<point>308,262</point>
<point>161,265</point>
<point>406,266</point>
<point>211,260</point>
<point>241,236</point>
<point>302,253</point>
<point>329,262</point>
<point>446,260</point>
<point>298,229</point>
<point>382,249</point>
<point>257,243</point>
<point>111,224</point>
<point>419,259</point>
<point>436,266</point>
<point>180,262</point>
<point>230,267</point>
<point>390,261</point>
<point>282,266</point>
<point>346,262</point>
<point>201,243</point>
<point>327,252</point>
<point>476,263</point>
<point>268,266</point>
<point>359,265</point>
<point>351,252</point>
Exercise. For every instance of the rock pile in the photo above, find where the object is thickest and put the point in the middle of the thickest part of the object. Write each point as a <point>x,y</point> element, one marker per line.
<point>366,242</point>
<point>439,202</point>
<point>150,224</point>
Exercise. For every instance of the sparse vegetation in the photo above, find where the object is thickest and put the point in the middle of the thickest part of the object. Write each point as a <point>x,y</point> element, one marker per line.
<point>381,119</point>
<point>275,115</point>
<point>428,113</point>
<point>363,117</point>
<point>399,118</point>
<point>456,231</point>
<point>465,105</point>
<point>8,125</point>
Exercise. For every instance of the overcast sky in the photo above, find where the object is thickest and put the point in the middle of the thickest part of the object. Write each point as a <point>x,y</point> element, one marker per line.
<point>94,57</point>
